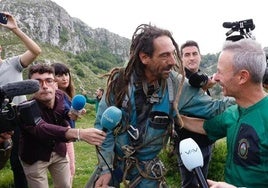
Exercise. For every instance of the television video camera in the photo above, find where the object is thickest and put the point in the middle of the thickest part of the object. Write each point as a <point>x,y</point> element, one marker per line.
<point>244,27</point>
<point>10,114</point>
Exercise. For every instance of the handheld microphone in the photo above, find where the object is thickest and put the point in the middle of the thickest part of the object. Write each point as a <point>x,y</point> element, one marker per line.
<point>24,87</point>
<point>198,79</point>
<point>78,103</point>
<point>192,159</point>
<point>110,118</point>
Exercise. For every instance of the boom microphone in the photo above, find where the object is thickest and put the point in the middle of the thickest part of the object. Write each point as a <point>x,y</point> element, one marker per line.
<point>24,87</point>
<point>110,118</point>
<point>192,159</point>
<point>78,103</point>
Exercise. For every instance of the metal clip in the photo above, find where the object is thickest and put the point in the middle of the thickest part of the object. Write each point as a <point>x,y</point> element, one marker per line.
<point>133,132</point>
<point>128,150</point>
<point>158,169</point>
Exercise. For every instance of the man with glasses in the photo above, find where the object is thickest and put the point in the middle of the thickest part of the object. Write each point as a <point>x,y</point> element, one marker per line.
<point>43,146</point>
<point>11,71</point>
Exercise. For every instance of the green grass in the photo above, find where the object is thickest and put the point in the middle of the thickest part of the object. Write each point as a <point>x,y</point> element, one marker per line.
<point>86,160</point>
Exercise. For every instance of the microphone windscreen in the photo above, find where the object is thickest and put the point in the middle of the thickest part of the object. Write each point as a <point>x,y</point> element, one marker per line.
<point>24,87</point>
<point>110,118</point>
<point>190,154</point>
<point>198,79</point>
<point>227,24</point>
<point>78,102</point>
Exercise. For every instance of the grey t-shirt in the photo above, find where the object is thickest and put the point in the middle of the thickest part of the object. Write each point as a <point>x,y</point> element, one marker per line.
<point>11,71</point>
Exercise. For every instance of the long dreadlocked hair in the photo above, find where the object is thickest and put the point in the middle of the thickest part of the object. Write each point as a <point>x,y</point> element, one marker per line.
<point>142,41</point>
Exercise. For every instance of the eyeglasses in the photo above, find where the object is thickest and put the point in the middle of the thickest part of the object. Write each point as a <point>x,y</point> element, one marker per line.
<point>47,81</point>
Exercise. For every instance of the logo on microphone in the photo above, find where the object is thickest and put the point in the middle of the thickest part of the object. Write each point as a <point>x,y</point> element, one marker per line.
<point>190,152</point>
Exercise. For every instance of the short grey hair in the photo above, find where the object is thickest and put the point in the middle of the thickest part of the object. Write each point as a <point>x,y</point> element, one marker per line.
<point>249,55</point>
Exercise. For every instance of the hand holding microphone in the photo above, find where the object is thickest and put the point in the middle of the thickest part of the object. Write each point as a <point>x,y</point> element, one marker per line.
<point>192,159</point>
<point>109,120</point>
<point>78,104</point>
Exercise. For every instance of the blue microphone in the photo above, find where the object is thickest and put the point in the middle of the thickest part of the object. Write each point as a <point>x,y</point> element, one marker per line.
<point>110,118</point>
<point>78,103</point>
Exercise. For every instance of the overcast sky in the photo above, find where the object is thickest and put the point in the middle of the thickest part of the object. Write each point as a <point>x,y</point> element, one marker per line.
<point>199,20</point>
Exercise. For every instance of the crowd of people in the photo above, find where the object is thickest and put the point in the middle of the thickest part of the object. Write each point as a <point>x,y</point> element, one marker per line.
<point>163,95</point>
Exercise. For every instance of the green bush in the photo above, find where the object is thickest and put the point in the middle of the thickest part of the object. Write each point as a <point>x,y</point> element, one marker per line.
<point>216,167</point>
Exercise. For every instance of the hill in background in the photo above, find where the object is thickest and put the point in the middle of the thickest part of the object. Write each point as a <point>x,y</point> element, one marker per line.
<point>88,52</point>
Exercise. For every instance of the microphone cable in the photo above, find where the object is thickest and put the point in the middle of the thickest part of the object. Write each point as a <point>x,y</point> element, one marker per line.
<point>109,168</point>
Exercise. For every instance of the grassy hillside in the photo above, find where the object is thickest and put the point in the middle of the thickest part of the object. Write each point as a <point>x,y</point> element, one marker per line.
<point>85,69</point>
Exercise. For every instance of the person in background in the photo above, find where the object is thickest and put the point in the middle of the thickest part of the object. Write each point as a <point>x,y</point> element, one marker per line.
<point>99,92</point>
<point>191,59</point>
<point>150,92</point>
<point>240,70</point>
<point>44,136</point>
<point>11,71</point>
<point>65,83</point>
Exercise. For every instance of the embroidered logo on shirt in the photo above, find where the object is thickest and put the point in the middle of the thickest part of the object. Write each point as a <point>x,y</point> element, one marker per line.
<point>247,149</point>
<point>243,148</point>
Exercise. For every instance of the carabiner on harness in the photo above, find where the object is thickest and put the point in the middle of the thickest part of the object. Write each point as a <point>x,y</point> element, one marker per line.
<point>133,132</point>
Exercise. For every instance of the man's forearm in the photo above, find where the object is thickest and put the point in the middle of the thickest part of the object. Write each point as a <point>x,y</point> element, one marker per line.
<point>193,124</point>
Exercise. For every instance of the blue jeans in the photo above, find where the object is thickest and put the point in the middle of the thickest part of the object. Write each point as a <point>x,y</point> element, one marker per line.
<point>189,179</point>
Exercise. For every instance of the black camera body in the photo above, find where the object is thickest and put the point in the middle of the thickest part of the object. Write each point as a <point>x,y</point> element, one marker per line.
<point>244,27</point>
<point>240,25</point>
<point>8,118</point>
<point>11,116</point>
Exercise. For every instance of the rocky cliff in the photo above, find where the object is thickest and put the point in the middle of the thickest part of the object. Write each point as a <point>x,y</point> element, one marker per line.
<point>49,23</point>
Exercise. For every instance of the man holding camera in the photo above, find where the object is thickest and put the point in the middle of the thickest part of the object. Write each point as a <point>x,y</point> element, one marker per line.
<point>11,71</point>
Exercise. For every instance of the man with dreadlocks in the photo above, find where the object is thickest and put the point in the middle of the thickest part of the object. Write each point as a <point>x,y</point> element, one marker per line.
<point>150,92</point>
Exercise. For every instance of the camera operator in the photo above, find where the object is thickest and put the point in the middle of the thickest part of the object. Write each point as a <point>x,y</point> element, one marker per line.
<point>11,71</point>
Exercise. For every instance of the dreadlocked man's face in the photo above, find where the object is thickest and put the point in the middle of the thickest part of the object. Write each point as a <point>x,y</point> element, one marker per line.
<point>160,64</point>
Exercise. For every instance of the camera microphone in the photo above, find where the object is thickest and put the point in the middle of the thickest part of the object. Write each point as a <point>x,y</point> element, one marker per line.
<point>227,24</point>
<point>24,87</point>
<point>110,118</point>
<point>192,159</point>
